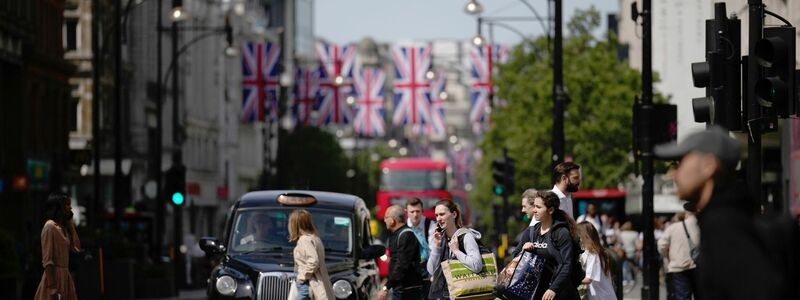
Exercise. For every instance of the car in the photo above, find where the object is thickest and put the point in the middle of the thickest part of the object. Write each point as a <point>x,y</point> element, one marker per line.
<point>255,256</point>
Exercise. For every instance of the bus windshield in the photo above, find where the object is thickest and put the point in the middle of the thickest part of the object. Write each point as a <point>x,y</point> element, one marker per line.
<point>413,180</point>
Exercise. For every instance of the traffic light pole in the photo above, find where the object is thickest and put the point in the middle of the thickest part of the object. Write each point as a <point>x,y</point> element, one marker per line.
<point>558,90</point>
<point>176,161</point>
<point>650,286</point>
<point>754,124</point>
<point>159,144</point>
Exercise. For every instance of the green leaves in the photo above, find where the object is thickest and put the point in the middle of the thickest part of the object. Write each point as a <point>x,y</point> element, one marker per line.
<point>598,116</point>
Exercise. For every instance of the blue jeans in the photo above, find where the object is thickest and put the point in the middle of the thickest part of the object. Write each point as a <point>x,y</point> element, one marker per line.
<point>303,291</point>
<point>414,293</point>
<point>683,284</point>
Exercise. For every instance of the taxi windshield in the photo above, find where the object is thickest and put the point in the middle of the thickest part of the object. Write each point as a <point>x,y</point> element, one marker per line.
<point>262,231</point>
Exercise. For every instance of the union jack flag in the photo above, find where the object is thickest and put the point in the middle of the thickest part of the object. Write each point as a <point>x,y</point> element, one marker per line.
<point>501,53</point>
<point>412,105</point>
<point>481,88</point>
<point>461,160</point>
<point>305,95</point>
<point>437,128</point>
<point>336,61</point>
<point>260,81</point>
<point>369,109</point>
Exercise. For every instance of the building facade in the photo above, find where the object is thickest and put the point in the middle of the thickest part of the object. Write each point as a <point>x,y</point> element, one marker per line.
<point>35,110</point>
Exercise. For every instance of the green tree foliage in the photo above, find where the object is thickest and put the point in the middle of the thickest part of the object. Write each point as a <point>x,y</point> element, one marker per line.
<point>368,173</point>
<point>310,158</point>
<point>597,120</point>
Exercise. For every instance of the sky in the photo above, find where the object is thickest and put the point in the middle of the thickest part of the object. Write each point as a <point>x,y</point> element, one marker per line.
<point>344,21</point>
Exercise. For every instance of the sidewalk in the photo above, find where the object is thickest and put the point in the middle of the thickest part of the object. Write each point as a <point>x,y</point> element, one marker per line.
<point>195,294</point>
<point>636,293</point>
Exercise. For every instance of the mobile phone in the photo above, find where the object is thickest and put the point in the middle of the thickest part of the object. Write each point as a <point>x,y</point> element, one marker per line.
<point>439,228</point>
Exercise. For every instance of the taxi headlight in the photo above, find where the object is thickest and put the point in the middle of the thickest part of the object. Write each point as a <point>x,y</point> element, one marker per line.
<point>342,289</point>
<point>226,285</point>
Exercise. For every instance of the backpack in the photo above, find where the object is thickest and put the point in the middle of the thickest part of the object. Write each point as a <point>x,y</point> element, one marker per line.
<point>424,251</point>
<point>577,274</point>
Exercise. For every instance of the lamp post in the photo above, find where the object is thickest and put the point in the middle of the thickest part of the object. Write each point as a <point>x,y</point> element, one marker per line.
<point>177,14</point>
<point>558,94</point>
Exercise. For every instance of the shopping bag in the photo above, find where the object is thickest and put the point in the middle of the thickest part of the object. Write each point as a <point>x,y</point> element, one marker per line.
<point>464,284</point>
<point>520,278</point>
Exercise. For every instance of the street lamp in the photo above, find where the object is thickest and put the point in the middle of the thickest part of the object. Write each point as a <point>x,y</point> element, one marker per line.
<point>178,13</point>
<point>478,40</point>
<point>473,7</point>
<point>430,74</point>
<point>558,93</point>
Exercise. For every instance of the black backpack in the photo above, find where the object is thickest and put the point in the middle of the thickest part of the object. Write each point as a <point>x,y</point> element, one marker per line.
<point>577,274</point>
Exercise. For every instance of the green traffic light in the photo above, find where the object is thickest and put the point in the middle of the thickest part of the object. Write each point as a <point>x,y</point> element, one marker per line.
<point>498,190</point>
<point>177,198</point>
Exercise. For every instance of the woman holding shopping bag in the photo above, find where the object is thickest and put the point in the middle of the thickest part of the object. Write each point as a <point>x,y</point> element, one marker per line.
<point>445,243</point>
<point>312,280</point>
<point>554,238</point>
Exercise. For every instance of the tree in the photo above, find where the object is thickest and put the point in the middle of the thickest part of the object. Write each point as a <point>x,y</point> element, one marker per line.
<point>310,159</point>
<point>597,120</point>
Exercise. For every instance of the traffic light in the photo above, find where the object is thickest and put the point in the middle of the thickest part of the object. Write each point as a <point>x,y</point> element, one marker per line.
<point>175,185</point>
<point>503,175</point>
<point>775,88</point>
<point>720,74</point>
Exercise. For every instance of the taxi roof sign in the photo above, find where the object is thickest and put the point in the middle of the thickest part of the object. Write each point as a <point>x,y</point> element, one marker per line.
<point>296,199</point>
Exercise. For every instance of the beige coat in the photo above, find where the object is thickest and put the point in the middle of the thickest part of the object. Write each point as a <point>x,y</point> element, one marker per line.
<point>309,264</point>
<point>674,246</point>
<point>56,245</point>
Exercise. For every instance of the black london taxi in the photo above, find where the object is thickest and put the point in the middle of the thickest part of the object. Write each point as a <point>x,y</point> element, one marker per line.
<point>255,256</point>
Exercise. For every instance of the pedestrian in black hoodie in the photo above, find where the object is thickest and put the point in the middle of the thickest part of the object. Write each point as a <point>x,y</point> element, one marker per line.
<point>554,239</point>
<point>404,281</point>
<point>739,258</point>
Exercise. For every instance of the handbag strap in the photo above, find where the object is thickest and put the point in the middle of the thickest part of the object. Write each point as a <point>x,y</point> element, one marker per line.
<point>691,244</point>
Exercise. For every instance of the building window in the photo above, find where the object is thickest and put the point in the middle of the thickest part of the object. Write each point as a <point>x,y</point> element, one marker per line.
<point>70,34</point>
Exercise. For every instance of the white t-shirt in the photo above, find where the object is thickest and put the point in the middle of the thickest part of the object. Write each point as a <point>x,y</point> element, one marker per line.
<point>600,287</point>
<point>565,201</point>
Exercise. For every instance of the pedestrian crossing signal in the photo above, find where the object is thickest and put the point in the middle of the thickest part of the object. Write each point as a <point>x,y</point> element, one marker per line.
<point>177,198</point>
<point>498,190</point>
<point>175,184</point>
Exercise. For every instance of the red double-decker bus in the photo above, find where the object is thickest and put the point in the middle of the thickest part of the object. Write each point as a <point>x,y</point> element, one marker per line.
<point>403,178</point>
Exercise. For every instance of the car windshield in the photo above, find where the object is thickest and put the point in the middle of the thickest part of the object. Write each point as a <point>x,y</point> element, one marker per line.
<point>261,231</point>
<point>413,180</point>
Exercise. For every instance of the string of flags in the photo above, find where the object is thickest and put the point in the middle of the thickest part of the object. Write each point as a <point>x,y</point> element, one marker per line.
<point>335,93</point>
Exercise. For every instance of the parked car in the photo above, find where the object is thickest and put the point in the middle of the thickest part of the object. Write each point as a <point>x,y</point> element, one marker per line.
<point>255,255</point>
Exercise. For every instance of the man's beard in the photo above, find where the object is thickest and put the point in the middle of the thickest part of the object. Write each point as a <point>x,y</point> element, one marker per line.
<point>571,188</point>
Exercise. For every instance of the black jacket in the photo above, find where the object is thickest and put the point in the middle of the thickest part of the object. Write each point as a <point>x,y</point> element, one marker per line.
<point>737,261</point>
<point>404,268</point>
<point>557,246</point>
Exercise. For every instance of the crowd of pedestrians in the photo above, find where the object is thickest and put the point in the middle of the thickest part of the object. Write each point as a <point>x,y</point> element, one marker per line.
<point>718,249</point>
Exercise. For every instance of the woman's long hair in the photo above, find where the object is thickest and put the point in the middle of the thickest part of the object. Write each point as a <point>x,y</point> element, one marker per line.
<point>54,208</point>
<point>453,207</point>
<point>591,242</point>
<point>551,200</point>
<point>300,222</point>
